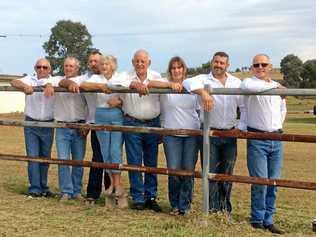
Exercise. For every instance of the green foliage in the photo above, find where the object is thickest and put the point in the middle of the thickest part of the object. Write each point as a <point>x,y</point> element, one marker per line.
<point>204,69</point>
<point>291,67</point>
<point>68,39</point>
<point>309,74</point>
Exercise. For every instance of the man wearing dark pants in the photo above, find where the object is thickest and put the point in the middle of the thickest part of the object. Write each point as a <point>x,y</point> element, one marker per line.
<point>223,151</point>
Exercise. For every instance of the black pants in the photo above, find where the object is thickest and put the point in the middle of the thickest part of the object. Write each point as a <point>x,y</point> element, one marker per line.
<point>94,187</point>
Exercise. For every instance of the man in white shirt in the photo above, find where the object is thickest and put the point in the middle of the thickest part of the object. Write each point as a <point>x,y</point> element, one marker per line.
<point>140,147</point>
<point>70,108</point>
<point>38,141</point>
<point>223,116</point>
<point>264,157</point>
<point>94,187</point>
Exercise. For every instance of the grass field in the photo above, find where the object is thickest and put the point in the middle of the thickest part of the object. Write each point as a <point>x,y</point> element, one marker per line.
<point>20,216</point>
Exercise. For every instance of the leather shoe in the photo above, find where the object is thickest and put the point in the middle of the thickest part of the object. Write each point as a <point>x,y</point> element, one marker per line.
<point>273,229</point>
<point>257,226</point>
<point>153,205</point>
<point>138,206</point>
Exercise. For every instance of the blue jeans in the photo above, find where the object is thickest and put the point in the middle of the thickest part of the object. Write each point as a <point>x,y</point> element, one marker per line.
<point>223,153</point>
<point>181,154</point>
<point>69,141</point>
<point>110,142</point>
<point>142,148</point>
<point>38,143</point>
<point>264,159</point>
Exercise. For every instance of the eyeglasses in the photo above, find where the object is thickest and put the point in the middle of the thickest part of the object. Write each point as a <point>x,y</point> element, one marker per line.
<point>256,65</point>
<point>40,66</point>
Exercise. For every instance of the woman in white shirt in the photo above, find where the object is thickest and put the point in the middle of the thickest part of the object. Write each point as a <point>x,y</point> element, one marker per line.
<point>108,112</point>
<point>179,111</point>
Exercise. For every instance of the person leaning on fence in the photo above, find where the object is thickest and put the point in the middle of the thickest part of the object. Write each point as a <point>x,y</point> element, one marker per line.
<point>109,112</point>
<point>223,116</point>
<point>94,187</point>
<point>69,108</point>
<point>38,141</point>
<point>143,111</point>
<point>264,157</point>
<point>179,111</point>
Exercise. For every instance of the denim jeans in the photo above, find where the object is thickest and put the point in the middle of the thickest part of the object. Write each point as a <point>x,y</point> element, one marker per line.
<point>142,148</point>
<point>264,159</point>
<point>223,153</point>
<point>110,142</point>
<point>94,187</point>
<point>181,153</point>
<point>38,143</point>
<point>69,141</point>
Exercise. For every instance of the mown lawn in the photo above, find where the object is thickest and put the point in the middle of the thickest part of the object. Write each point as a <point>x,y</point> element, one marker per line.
<point>20,216</point>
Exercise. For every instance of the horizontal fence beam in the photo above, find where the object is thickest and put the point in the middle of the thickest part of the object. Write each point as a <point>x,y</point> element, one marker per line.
<point>165,131</point>
<point>214,91</point>
<point>163,171</point>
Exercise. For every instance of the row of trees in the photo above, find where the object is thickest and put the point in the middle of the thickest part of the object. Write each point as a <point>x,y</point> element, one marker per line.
<point>298,74</point>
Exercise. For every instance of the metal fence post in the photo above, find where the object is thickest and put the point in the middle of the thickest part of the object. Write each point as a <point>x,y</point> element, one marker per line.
<point>206,159</point>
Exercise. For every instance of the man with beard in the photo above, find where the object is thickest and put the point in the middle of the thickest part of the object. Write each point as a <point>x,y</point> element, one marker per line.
<point>223,117</point>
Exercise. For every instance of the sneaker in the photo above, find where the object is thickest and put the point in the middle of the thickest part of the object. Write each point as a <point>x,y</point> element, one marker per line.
<point>78,197</point>
<point>48,194</point>
<point>138,206</point>
<point>257,226</point>
<point>90,201</point>
<point>64,197</point>
<point>153,205</point>
<point>174,212</point>
<point>34,195</point>
<point>273,229</point>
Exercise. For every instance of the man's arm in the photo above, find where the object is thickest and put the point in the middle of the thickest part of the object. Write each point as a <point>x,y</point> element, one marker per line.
<point>70,85</point>
<point>91,86</point>
<point>22,86</point>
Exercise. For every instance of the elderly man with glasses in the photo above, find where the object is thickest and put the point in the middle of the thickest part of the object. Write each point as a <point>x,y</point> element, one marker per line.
<point>264,157</point>
<point>38,141</point>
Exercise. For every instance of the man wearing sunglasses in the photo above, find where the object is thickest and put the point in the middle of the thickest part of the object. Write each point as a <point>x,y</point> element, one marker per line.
<point>38,141</point>
<point>264,157</point>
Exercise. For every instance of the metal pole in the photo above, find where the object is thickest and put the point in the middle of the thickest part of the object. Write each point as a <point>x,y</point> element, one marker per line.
<point>163,171</point>
<point>206,159</point>
<point>215,91</point>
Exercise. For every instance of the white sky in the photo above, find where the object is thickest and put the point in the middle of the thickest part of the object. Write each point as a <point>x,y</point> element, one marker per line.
<point>192,29</point>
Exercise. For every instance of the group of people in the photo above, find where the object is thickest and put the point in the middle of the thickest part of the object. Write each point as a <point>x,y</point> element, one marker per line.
<point>177,111</point>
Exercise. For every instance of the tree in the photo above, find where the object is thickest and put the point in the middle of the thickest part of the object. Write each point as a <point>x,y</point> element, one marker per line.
<point>68,39</point>
<point>309,74</point>
<point>238,70</point>
<point>291,67</point>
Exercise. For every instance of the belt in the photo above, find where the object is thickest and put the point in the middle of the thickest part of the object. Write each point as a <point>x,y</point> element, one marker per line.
<point>222,129</point>
<point>78,121</point>
<point>250,129</point>
<point>140,120</point>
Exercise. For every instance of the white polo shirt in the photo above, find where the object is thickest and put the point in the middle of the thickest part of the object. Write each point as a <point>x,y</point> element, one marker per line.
<point>179,111</point>
<point>266,113</point>
<point>144,107</point>
<point>69,107</point>
<point>38,106</point>
<point>224,113</point>
<point>102,98</point>
<point>90,97</point>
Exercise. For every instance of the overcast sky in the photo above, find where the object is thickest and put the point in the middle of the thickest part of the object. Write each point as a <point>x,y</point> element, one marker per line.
<point>193,29</point>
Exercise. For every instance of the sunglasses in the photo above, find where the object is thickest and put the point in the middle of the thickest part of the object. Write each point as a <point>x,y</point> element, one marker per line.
<point>40,66</point>
<point>256,65</point>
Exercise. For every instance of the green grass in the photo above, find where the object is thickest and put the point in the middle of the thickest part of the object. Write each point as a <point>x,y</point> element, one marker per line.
<point>20,216</point>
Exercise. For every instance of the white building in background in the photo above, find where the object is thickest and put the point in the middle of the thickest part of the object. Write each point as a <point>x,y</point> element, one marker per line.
<point>10,101</point>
